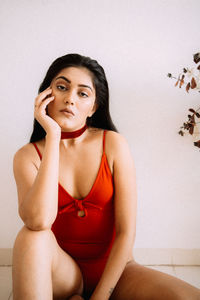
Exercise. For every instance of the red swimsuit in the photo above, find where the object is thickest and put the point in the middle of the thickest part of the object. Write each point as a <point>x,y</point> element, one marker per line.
<point>88,239</point>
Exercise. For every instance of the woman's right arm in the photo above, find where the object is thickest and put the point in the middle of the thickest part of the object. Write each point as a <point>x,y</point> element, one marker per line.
<point>38,189</point>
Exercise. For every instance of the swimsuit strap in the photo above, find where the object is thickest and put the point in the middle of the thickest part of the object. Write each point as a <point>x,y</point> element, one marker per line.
<point>104,133</point>
<point>36,147</point>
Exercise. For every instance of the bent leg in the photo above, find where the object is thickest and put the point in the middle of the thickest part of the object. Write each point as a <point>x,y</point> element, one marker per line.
<point>142,283</point>
<point>41,269</point>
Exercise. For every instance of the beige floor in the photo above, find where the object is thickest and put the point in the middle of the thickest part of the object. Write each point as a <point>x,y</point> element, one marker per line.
<point>191,274</point>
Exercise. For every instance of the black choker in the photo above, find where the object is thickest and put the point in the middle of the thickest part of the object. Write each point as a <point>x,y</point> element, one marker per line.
<point>73,134</point>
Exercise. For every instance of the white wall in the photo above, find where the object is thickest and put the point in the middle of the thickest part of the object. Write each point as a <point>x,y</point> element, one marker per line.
<point>137,43</point>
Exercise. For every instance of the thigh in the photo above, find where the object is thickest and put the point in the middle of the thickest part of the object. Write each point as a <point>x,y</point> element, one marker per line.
<point>67,278</point>
<point>41,248</point>
<point>142,283</point>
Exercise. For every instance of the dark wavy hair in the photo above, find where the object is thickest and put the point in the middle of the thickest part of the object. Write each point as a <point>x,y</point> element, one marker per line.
<point>101,118</point>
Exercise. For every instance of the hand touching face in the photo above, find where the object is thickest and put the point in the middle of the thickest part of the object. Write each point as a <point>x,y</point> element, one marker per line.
<point>73,90</point>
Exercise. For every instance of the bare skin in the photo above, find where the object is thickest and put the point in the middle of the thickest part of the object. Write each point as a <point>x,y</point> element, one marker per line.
<point>41,269</point>
<point>142,283</point>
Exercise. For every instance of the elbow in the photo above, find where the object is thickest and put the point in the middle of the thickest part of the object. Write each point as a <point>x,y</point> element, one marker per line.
<point>34,226</point>
<point>35,223</point>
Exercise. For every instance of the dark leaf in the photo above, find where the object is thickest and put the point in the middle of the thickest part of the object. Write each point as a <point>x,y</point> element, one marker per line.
<point>195,112</point>
<point>181,133</point>
<point>197,143</point>
<point>198,115</point>
<point>184,70</point>
<point>191,125</point>
<point>188,87</point>
<point>193,83</point>
<point>182,81</point>
<point>177,82</point>
<point>191,130</point>
<point>193,120</point>
<point>196,57</point>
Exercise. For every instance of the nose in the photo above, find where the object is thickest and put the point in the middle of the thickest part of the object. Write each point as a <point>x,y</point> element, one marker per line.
<point>69,101</point>
<point>69,98</point>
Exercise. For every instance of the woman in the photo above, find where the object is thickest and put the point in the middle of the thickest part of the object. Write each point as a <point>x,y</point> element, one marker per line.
<point>77,197</point>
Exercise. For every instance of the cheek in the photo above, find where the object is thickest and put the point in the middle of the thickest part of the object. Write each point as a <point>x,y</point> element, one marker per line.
<point>52,106</point>
<point>55,92</point>
<point>86,104</point>
<point>86,108</point>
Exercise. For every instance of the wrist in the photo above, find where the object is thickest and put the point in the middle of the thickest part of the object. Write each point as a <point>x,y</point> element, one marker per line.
<point>98,296</point>
<point>53,136</point>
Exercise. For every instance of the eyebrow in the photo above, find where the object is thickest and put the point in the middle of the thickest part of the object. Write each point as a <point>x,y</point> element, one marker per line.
<point>66,79</point>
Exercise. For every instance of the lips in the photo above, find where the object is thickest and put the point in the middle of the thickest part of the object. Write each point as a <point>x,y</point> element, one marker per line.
<point>67,110</point>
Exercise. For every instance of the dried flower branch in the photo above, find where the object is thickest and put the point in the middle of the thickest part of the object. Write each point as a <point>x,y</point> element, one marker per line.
<point>194,83</point>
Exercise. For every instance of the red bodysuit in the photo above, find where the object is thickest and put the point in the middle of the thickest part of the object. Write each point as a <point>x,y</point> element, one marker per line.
<point>88,239</point>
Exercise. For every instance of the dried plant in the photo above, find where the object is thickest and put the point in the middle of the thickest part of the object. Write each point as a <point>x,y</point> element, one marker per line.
<point>192,82</point>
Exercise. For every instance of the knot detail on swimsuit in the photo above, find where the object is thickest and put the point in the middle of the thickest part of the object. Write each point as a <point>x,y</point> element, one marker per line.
<point>80,206</point>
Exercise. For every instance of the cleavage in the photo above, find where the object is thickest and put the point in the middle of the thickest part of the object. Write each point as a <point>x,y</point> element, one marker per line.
<point>80,176</point>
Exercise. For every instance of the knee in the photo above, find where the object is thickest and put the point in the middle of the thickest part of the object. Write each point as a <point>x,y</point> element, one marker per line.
<point>27,239</point>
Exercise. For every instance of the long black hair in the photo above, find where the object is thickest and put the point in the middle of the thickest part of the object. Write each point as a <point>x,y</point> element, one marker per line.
<point>101,118</point>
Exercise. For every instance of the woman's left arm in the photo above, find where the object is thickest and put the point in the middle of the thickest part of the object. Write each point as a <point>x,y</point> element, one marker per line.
<point>125,203</point>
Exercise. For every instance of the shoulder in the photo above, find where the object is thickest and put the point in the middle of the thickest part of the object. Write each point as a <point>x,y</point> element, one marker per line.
<point>24,154</point>
<point>118,148</point>
<point>110,136</point>
<point>117,142</point>
<point>23,151</point>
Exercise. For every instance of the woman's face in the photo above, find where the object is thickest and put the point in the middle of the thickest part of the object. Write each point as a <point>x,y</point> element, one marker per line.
<point>73,89</point>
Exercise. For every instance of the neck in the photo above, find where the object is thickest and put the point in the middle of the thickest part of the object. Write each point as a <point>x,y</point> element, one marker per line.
<point>73,134</point>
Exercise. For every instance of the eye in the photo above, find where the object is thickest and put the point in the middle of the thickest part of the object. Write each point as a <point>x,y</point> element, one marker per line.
<point>83,94</point>
<point>61,87</point>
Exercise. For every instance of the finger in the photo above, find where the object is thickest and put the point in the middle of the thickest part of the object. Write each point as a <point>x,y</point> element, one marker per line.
<point>44,103</point>
<point>49,87</point>
<point>42,96</point>
<point>45,92</point>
